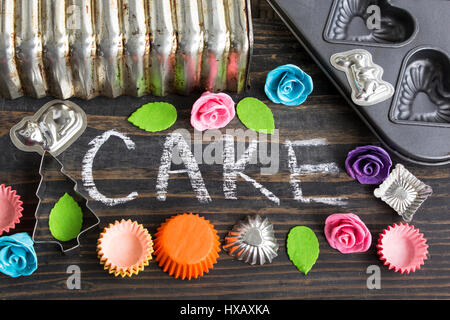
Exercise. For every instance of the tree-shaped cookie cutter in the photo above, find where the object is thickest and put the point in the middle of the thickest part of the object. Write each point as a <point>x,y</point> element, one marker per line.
<point>41,232</point>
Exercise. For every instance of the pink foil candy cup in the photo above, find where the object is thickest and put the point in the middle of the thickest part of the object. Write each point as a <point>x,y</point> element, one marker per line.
<point>125,248</point>
<point>401,247</point>
<point>10,209</point>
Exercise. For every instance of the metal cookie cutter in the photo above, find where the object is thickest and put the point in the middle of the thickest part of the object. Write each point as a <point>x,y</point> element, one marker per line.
<point>364,76</point>
<point>50,131</point>
<point>53,128</point>
<point>49,168</point>
<point>403,192</point>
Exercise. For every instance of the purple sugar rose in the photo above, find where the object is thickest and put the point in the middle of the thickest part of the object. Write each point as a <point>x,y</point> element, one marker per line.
<point>368,164</point>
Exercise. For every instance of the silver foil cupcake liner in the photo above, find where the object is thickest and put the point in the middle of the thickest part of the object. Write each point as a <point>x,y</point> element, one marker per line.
<point>252,241</point>
<point>403,192</point>
<point>53,128</point>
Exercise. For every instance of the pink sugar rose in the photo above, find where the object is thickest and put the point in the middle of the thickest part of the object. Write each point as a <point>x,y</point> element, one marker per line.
<point>347,233</point>
<point>212,111</point>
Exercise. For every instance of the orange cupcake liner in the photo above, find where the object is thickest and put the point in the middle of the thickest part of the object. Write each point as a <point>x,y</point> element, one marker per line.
<point>402,248</point>
<point>125,248</point>
<point>10,209</point>
<point>186,246</point>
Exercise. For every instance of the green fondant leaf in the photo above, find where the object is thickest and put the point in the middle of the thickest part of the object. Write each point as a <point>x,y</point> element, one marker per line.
<point>302,248</point>
<point>255,115</point>
<point>66,219</point>
<point>154,117</point>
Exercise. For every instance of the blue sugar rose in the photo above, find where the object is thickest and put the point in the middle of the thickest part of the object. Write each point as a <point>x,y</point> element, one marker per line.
<point>17,255</point>
<point>288,85</point>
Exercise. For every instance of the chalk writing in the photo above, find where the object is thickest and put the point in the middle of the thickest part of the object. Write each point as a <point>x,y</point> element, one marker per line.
<point>232,169</point>
<point>88,162</point>
<point>307,169</point>
<point>184,151</point>
<point>176,150</point>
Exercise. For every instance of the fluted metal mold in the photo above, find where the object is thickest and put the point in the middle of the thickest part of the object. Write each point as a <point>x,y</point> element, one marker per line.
<point>89,48</point>
<point>252,240</point>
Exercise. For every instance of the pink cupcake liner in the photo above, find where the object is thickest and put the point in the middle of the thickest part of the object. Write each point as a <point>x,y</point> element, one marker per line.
<point>402,248</point>
<point>10,209</point>
<point>125,248</point>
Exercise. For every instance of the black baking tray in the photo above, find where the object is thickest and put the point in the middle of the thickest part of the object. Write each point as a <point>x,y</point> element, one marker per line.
<point>413,42</point>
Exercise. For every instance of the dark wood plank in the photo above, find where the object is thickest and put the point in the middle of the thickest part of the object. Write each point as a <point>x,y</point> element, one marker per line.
<point>324,115</point>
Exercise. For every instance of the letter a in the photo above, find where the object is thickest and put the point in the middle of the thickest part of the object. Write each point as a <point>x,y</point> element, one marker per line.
<point>188,159</point>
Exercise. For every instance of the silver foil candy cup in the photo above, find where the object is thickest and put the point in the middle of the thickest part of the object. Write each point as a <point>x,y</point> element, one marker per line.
<point>364,76</point>
<point>403,192</point>
<point>53,128</point>
<point>89,48</point>
<point>253,241</point>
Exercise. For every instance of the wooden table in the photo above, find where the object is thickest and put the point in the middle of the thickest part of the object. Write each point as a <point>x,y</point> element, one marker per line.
<point>325,115</point>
